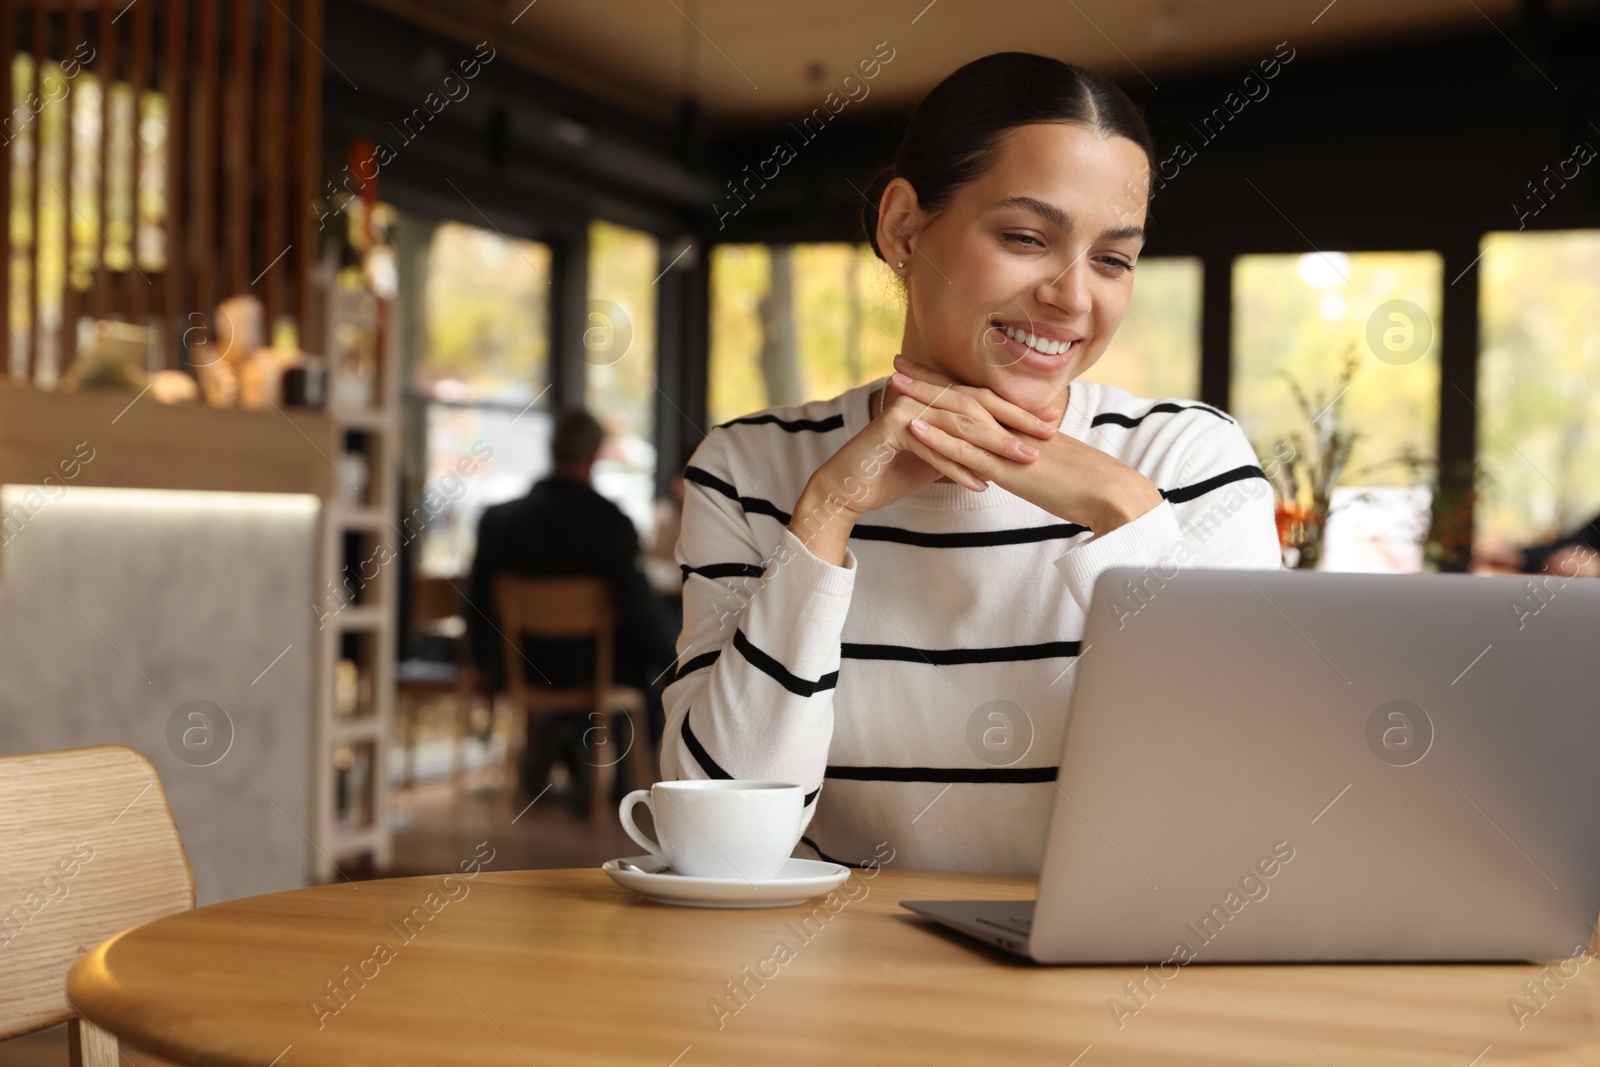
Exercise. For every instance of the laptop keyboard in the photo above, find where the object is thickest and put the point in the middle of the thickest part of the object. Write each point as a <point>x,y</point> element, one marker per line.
<point>1012,925</point>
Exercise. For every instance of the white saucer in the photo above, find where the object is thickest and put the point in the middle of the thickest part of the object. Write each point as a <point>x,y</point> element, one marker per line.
<point>796,883</point>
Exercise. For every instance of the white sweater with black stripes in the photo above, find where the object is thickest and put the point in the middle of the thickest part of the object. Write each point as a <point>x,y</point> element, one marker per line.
<point>859,681</point>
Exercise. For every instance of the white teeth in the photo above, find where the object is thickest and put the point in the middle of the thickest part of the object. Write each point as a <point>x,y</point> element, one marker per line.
<point>1038,344</point>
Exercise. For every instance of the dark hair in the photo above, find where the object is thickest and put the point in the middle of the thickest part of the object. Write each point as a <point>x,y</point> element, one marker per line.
<point>577,436</point>
<point>954,133</point>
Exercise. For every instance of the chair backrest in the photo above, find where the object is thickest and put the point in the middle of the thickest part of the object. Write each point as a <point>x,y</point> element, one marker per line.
<point>555,609</point>
<point>434,600</point>
<point>87,849</point>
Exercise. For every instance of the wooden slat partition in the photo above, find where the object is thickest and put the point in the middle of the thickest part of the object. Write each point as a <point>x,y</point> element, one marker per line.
<point>8,49</point>
<point>203,159</point>
<point>138,282</point>
<point>242,167</point>
<point>274,160</point>
<point>174,52</point>
<point>308,137</point>
<point>69,294</point>
<point>237,134</point>
<point>107,69</point>
<point>41,46</point>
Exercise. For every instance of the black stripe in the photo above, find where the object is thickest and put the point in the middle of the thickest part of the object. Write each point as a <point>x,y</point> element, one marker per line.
<point>753,505</point>
<point>1189,492</point>
<point>704,659</point>
<point>835,422</point>
<point>698,751</point>
<point>829,859</point>
<point>723,570</point>
<point>982,775</point>
<point>950,657</point>
<point>968,539</point>
<point>1133,420</point>
<point>778,672</point>
<point>712,768</point>
<point>1027,535</point>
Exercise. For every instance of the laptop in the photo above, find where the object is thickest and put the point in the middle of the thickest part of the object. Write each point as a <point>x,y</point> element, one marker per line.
<point>1286,766</point>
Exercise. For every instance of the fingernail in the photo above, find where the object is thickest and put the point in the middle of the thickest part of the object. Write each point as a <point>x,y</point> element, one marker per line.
<point>919,425</point>
<point>1027,450</point>
<point>900,379</point>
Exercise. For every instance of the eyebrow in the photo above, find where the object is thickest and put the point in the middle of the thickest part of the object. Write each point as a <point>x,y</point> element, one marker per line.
<point>1056,217</point>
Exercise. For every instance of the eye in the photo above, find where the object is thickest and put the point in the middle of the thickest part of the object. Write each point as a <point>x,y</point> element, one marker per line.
<point>1024,239</point>
<point>1118,266</point>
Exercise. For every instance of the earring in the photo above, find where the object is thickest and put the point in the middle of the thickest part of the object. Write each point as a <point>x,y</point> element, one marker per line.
<point>900,265</point>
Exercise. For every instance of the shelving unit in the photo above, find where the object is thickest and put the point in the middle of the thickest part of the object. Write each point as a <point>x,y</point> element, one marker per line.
<point>358,564</point>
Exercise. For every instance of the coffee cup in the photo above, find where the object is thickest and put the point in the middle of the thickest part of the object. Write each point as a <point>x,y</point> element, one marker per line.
<point>719,828</point>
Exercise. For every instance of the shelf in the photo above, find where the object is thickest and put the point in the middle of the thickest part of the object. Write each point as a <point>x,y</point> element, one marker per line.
<point>367,520</point>
<point>353,840</point>
<point>361,418</point>
<point>360,616</point>
<point>364,728</point>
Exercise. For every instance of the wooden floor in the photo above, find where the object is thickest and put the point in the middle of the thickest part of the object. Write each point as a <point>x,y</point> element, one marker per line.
<point>437,827</point>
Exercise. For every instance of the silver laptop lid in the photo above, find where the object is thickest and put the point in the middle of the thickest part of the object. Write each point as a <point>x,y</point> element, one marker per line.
<point>1305,766</point>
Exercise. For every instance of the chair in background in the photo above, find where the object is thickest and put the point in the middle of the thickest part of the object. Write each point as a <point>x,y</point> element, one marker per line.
<point>564,609</point>
<point>435,609</point>
<point>87,849</point>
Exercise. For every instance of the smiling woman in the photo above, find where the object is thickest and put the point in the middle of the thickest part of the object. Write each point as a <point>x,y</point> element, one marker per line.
<point>819,647</point>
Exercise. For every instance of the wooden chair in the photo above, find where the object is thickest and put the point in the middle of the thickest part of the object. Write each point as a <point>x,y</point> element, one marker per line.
<point>435,603</point>
<point>87,850</point>
<point>570,609</point>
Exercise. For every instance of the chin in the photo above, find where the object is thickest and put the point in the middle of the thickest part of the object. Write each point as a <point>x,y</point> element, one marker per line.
<point>1033,392</point>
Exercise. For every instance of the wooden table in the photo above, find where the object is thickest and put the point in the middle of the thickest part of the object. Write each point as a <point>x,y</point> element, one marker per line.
<point>538,968</point>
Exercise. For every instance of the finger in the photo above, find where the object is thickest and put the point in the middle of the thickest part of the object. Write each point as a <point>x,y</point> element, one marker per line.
<point>1041,425</point>
<point>961,401</point>
<point>945,466</point>
<point>956,450</point>
<point>983,432</point>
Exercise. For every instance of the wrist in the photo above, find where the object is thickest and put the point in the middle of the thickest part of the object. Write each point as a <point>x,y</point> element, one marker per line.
<point>822,521</point>
<point>1127,501</point>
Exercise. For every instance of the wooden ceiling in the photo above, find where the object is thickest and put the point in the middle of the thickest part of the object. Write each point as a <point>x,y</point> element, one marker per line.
<point>749,62</point>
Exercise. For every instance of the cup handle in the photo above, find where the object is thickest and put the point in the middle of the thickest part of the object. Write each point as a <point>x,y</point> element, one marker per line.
<point>625,813</point>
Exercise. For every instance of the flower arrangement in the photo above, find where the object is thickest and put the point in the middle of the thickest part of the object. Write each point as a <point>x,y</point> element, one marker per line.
<point>1307,465</point>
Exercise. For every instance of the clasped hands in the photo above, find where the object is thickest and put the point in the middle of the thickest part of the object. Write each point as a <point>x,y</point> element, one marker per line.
<point>974,437</point>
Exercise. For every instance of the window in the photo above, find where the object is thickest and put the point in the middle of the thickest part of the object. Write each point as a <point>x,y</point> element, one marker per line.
<point>1538,386</point>
<point>482,368</point>
<point>1156,350</point>
<point>1301,314</point>
<point>488,318</point>
<point>619,343</point>
<point>791,323</point>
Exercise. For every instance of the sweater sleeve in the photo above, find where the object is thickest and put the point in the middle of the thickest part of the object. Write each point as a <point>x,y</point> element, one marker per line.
<point>758,658</point>
<point>1220,516</point>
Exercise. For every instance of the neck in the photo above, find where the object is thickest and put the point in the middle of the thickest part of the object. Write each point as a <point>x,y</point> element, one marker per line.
<point>574,472</point>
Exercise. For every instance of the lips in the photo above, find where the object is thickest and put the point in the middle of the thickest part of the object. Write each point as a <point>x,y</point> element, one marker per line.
<point>1039,347</point>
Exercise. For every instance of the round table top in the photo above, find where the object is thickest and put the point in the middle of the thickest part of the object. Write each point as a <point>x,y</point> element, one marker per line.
<point>530,968</point>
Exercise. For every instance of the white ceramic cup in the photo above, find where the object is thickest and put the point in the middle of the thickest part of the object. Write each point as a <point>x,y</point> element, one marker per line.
<point>719,828</point>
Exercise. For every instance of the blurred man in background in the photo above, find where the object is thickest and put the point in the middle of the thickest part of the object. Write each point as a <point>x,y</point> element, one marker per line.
<point>563,528</point>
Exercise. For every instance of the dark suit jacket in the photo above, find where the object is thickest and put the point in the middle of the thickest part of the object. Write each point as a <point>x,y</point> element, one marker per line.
<point>561,528</point>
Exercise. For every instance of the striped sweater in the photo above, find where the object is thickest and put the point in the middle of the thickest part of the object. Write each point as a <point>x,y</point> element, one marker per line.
<point>872,684</point>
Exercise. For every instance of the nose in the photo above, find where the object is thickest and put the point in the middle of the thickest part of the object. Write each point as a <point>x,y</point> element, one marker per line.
<point>1068,290</point>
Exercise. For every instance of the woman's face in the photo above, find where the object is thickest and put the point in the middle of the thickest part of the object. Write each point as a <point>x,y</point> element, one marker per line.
<point>1042,243</point>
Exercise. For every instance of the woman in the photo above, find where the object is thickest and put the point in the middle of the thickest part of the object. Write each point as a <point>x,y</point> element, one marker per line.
<point>885,591</point>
